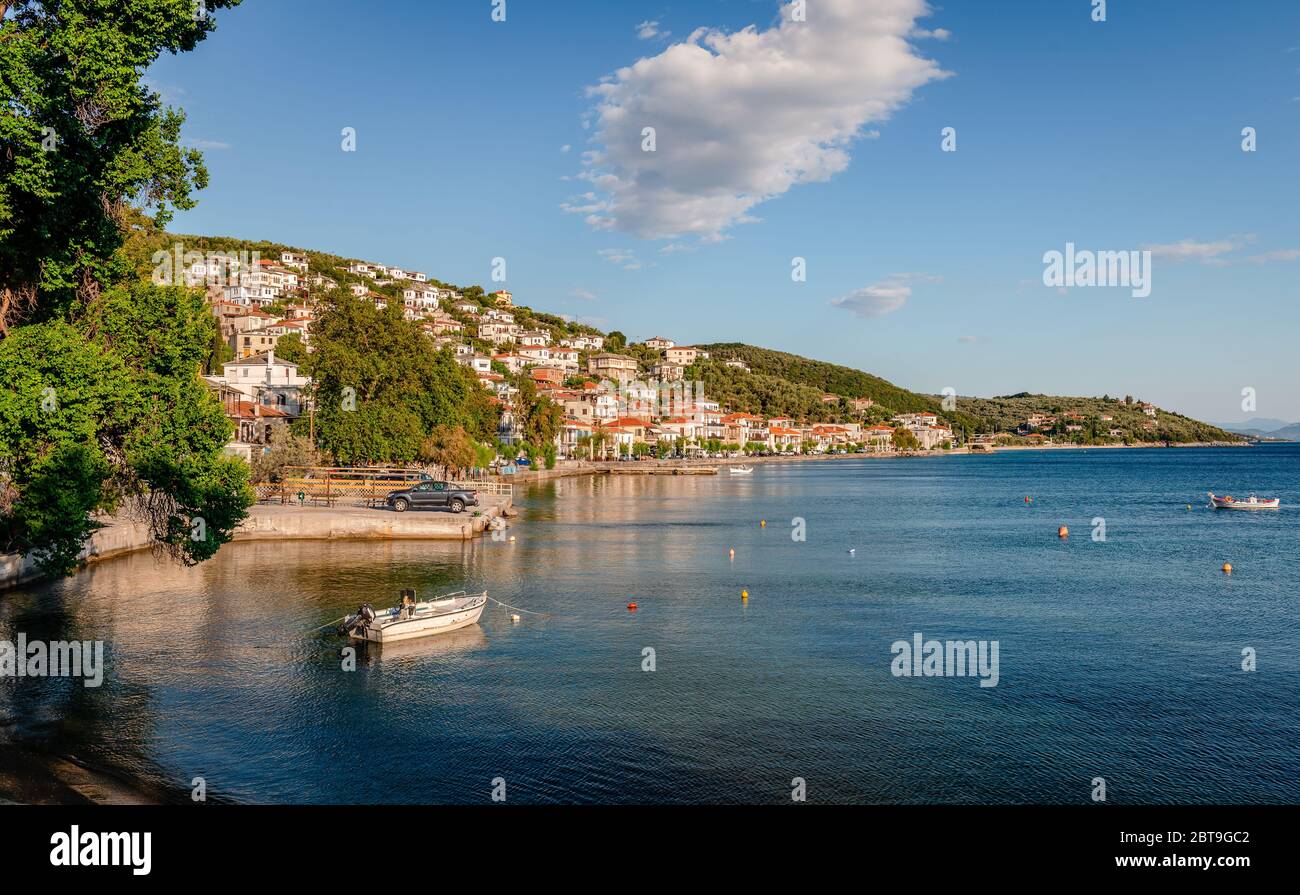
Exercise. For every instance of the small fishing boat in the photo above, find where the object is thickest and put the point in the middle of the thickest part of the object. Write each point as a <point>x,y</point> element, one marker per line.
<point>413,619</point>
<point>741,470</point>
<point>1228,502</point>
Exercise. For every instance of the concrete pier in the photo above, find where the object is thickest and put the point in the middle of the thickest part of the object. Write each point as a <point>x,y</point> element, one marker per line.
<point>275,522</point>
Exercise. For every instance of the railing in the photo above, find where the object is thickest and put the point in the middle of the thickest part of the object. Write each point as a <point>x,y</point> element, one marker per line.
<point>329,487</point>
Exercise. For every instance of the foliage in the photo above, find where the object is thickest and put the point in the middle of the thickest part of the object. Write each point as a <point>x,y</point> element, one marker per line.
<point>286,450</point>
<point>381,385</point>
<point>905,440</point>
<point>82,137</point>
<point>449,447</point>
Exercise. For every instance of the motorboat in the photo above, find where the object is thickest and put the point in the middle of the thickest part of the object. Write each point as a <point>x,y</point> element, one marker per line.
<point>741,470</point>
<point>414,618</point>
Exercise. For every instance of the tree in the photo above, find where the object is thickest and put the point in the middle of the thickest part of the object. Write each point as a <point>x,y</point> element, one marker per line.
<point>290,347</point>
<point>381,385</point>
<point>905,440</point>
<point>539,418</point>
<point>82,136</point>
<point>449,447</point>
<point>286,450</point>
<point>615,341</point>
<point>102,402</point>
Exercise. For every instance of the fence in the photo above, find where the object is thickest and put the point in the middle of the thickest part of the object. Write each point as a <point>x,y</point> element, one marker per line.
<point>357,487</point>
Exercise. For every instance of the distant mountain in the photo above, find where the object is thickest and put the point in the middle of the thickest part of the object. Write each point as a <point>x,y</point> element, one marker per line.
<point>1262,427</point>
<point>1256,424</point>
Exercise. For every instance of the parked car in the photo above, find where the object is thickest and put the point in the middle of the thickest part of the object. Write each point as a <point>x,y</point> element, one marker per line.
<point>432,496</point>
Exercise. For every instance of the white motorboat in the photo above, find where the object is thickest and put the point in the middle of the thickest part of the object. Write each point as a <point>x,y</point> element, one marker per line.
<point>413,619</point>
<point>741,470</point>
<point>1228,502</point>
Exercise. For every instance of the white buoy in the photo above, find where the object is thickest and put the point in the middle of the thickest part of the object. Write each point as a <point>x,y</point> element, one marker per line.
<point>853,550</point>
<point>515,619</point>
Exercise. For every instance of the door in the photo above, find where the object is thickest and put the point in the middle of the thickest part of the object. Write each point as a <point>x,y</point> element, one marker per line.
<point>438,494</point>
<point>422,495</point>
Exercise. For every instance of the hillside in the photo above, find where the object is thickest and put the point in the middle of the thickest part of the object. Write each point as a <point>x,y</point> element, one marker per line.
<point>776,383</point>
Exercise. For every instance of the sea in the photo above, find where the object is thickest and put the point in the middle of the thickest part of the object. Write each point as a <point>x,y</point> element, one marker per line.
<point>768,657</point>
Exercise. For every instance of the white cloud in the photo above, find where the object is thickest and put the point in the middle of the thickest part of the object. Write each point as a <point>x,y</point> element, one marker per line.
<point>1278,255</point>
<point>881,298</point>
<point>565,148</point>
<point>624,258</point>
<point>650,30</point>
<point>1190,250</point>
<point>936,34</point>
<point>584,294</point>
<point>206,144</point>
<point>968,340</point>
<point>743,117</point>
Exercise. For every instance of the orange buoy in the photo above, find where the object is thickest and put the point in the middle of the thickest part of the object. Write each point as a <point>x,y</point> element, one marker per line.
<point>762,523</point>
<point>1028,500</point>
<point>744,595</point>
<point>1227,568</point>
<point>631,607</point>
<point>1063,532</point>
<point>732,552</point>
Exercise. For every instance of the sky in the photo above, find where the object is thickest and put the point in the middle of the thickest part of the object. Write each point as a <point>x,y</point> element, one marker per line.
<point>787,131</point>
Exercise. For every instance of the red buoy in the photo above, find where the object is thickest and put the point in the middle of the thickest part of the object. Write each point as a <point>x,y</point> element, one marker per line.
<point>631,607</point>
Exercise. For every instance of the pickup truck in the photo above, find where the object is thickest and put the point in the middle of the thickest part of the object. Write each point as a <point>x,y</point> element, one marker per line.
<point>433,496</point>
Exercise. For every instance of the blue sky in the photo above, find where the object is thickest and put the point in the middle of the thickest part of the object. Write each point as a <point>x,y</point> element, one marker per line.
<point>1116,135</point>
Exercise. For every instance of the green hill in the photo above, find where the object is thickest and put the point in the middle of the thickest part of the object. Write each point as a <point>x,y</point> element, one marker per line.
<point>777,384</point>
<point>790,383</point>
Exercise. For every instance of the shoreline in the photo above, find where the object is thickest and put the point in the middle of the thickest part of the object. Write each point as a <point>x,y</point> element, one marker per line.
<point>571,468</point>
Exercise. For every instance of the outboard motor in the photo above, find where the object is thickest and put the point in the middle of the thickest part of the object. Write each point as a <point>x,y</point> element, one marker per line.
<point>364,615</point>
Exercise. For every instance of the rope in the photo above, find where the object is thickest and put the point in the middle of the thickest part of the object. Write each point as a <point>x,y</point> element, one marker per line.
<point>517,609</point>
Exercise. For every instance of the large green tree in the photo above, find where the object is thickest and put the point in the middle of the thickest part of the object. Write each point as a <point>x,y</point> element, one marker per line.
<point>101,402</point>
<point>382,386</point>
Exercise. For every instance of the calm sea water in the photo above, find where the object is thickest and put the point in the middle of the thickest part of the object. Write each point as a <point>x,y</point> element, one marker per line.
<point>1118,659</point>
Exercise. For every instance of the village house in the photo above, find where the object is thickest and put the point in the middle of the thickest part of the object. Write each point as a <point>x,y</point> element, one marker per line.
<point>1149,409</point>
<point>742,428</point>
<point>423,298</point>
<point>535,337</point>
<point>612,366</point>
<point>659,343</point>
<point>268,381</point>
<point>566,358</point>
<point>548,375</point>
<point>294,260</point>
<point>783,438</point>
<point>879,437</point>
<point>468,307</point>
<point>535,355</point>
<point>503,299</point>
<point>361,269</point>
<point>584,343</point>
<point>668,372</point>
<point>683,356</point>
<point>736,363</point>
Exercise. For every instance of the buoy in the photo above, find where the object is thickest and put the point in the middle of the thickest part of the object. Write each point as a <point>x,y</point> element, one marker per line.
<point>515,619</point>
<point>744,595</point>
<point>1063,532</point>
<point>1227,568</point>
<point>512,539</point>
<point>631,607</point>
<point>853,550</point>
<point>762,523</point>
<point>732,552</point>
<point>1189,506</point>
<point>1027,500</point>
